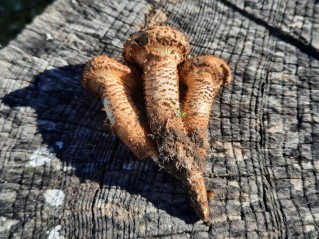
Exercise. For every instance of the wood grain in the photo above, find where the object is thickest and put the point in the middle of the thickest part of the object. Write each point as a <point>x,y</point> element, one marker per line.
<point>264,131</point>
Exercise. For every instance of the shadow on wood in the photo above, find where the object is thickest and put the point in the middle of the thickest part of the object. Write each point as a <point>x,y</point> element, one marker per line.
<point>70,121</point>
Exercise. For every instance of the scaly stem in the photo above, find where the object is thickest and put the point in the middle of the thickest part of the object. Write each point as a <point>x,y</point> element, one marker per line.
<point>161,87</point>
<point>126,119</point>
<point>178,155</point>
<point>198,103</point>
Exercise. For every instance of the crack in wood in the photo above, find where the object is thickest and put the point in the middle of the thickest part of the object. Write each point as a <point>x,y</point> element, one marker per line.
<point>277,32</point>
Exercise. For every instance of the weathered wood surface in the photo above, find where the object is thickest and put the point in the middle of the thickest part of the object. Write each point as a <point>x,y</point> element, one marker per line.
<point>65,176</point>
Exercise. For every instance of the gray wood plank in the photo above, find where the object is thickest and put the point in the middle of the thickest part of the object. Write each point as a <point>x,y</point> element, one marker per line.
<point>63,174</point>
<point>296,21</point>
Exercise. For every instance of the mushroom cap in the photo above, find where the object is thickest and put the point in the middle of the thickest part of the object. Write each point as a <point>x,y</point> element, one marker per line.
<point>156,41</point>
<point>97,71</point>
<point>217,67</point>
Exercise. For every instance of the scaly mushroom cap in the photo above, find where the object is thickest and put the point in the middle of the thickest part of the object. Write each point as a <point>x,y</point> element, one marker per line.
<point>217,67</point>
<point>91,79</point>
<point>156,41</point>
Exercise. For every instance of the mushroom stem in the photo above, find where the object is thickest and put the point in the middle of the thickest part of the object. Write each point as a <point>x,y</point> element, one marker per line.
<point>159,50</point>
<point>114,82</point>
<point>203,76</point>
<point>161,93</point>
<point>197,105</point>
<point>178,155</point>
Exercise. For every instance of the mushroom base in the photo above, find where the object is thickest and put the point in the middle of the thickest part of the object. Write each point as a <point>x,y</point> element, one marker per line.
<point>181,158</point>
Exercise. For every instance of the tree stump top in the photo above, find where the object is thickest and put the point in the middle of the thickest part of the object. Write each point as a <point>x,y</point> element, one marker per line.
<point>63,175</point>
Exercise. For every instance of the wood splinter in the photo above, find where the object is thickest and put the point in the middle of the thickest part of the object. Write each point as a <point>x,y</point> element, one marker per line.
<point>115,83</point>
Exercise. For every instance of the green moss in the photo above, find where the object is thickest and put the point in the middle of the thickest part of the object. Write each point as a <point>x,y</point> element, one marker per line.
<point>178,112</point>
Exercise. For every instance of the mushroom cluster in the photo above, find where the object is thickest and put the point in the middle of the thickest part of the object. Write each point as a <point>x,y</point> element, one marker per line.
<point>155,126</point>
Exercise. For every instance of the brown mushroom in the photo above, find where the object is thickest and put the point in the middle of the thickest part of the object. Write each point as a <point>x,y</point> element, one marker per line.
<point>203,76</point>
<point>159,50</point>
<point>114,83</point>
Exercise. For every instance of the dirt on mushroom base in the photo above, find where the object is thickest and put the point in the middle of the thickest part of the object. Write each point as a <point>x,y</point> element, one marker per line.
<point>180,158</point>
<point>196,138</point>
